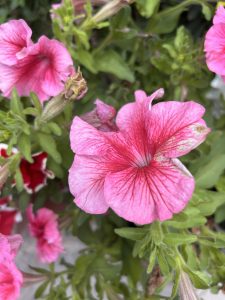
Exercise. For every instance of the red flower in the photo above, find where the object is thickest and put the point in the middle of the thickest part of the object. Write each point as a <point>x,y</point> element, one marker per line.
<point>34,174</point>
<point>8,216</point>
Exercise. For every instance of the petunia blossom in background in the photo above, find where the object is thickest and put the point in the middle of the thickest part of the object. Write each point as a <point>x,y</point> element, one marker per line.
<point>11,278</point>
<point>43,226</point>
<point>42,67</point>
<point>135,171</point>
<point>34,174</point>
<point>215,44</point>
<point>9,215</point>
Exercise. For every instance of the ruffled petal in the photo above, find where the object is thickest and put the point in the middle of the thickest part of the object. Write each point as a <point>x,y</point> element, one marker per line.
<point>214,48</point>
<point>219,16</point>
<point>86,140</point>
<point>148,194</point>
<point>176,128</point>
<point>86,183</point>
<point>15,35</point>
<point>129,112</point>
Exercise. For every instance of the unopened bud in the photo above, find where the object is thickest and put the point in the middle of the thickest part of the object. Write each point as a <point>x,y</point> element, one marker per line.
<point>4,174</point>
<point>110,9</point>
<point>29,279</point>
<point>186,289</point>
<point>75,88</point>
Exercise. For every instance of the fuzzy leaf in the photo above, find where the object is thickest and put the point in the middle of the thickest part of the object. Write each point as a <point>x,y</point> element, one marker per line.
<point>111,62</point>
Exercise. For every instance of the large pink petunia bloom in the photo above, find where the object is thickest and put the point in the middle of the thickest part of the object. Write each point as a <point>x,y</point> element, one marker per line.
<point>215,43</point>
<point>11,278</point>
<point>41,68</point>
<point>44,227</point>
<point>135,171</point>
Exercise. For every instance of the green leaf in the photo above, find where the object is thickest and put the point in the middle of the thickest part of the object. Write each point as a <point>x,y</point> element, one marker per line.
<point>131,233</point>
<point>147,7</point>
<point>199,279</point>
<point>152,259</point>
<point>24,145</point>
<point>16,104</point>
<point>156,233</point>
<point>48,144</point>
<point>177,239</point>
<point>86,59</point>
<point>209,174</point>
<point>207,202</point>
<point>166,21</point>
<point>81,37</point>
<point>19,180</point>
<point>163,264</point>
<point>31,111</point>
<point>176,283</point>
<point>54,127</point>
<point>220,214</point>
<point>41,289</point>
<point>36,102</point>
<point>24,200</point>
<point>111,62</point>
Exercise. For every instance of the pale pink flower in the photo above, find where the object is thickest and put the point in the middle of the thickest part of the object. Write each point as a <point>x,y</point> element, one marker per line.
<point>135,171</point>
<point>101,117</point>
<point>11,278</point>
<point>215,43</point>
<point>41,68</point>
<point>44,227</point>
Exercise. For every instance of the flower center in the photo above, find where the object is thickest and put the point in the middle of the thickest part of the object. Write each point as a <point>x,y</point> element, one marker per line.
<point>142,160</point>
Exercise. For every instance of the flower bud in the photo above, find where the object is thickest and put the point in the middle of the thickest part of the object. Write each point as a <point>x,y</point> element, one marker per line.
<point>110,9</point>
<point>4,174</point>
<point>75,88</point>
<point>186,289</point>
<point>29,278</point>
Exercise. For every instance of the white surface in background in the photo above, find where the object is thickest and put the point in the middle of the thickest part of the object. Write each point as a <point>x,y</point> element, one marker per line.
<point>72,246</point>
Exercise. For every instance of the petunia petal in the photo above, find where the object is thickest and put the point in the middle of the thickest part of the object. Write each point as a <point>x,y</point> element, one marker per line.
<point>86,183</point>
<point>86,140</point>
<point>148,194</point>
<point>214,48</point>
<point>176,128</point>
<point>15,35</point>
<point>130,111</point>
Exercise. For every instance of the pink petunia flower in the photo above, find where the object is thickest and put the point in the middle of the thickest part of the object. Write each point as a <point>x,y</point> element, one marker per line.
<point>34,174</point>
<point>11,278</point>
<point>135,171</point>
<point>41,68</point>
<point>215,43</point>
<point>44,227</point>
<point>101,117</point>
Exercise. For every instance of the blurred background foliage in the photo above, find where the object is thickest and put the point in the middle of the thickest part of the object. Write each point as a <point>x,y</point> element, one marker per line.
<point>146,45</point>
